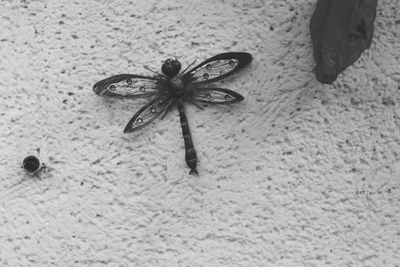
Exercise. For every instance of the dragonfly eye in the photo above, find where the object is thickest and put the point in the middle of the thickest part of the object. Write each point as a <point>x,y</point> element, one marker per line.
<point>171,67</point>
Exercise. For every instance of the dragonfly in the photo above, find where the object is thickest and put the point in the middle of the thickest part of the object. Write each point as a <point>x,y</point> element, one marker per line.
<point>173,88</point>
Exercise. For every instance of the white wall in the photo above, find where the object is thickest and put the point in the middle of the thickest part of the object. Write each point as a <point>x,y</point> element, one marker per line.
<point>299,174</point>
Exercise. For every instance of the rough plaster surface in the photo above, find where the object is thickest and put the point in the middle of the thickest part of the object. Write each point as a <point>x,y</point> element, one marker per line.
<point>299,174</point>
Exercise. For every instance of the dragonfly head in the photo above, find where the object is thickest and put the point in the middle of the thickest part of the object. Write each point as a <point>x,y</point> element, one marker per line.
<point>171,67</point>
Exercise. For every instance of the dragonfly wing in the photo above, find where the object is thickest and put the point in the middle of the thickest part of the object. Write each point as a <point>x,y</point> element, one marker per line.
<point>214,95</point>
<point>217,67</point>
<point>128,86</point>
<point>148,113</point>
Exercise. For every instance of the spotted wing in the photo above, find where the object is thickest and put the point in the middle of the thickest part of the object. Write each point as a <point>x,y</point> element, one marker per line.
<point>214,95</point>
<point>128,86</point>
<point>148,113</point>
<point>217,67</point>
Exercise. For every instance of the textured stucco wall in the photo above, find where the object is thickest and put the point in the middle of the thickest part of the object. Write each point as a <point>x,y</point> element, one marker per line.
<point>299,174</point>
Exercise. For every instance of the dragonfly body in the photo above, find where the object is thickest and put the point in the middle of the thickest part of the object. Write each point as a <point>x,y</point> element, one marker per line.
<point>176,88</point>
<point>172,88</point>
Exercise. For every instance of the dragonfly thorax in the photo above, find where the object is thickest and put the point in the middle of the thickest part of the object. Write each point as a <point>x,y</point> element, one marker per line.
<point>176,87</point>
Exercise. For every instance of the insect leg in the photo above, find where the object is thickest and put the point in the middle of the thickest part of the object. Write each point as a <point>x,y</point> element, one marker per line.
<point>167,109</point>
<point>153,71</point>
<point>194,103</point>
<point>190,155</point>
<point>183,72</point>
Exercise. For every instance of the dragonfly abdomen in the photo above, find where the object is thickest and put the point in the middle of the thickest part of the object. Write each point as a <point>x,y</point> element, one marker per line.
<point>190,152</point>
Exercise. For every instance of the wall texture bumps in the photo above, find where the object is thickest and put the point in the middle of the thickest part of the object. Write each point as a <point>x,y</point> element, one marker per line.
<point>299,174</point>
